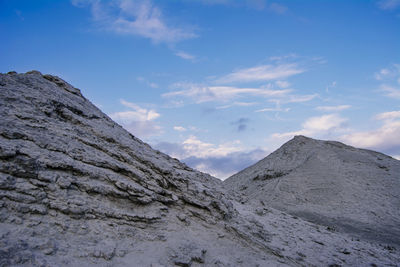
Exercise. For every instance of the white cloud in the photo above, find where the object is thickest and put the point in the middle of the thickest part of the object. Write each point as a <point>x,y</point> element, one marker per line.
<point>253,4</point>
<point>384,138</point>
<point>153,85</point>
<point>262,73</point>
<point>382,74</point>
<point>195,147</point>
<point>143,129</point>
<point>298,98</point>
<point>136,114</point>
<point>148,83</point>
<point>204,93</point>
<point>333,108</point>
<point>390,91</point>
<point>390,78</point>
<point>218,160</point>
<point>332,85</point>
<point>185,55</point>
<point>390,72</point>
<point>323,123</point>
<point>238,104</point>
<point>138,120</point>
<point>180,128</point>
<point>282,84</point>
<point>391,115</point>
<point>284,57</point>
<point>316,126</point>
<point>273,110</point>
<point>140,18</point>
<point>388,4</point>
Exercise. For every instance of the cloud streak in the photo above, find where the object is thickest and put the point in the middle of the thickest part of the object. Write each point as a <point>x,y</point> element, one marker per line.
<point>390,81</point>
<point>180,129</point>
<point>390,91</point>
<point>203,93</point>
<point>138,18</point>
<point>262,73</point>
<point>185,55</point>
<point>333,108</point>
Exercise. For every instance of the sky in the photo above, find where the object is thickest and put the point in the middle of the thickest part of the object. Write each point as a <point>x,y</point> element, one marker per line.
<point>221,84</point>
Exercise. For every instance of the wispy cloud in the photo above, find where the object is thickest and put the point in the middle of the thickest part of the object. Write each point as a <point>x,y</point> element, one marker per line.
<point>385,138</point>
<point>262,73</point>
<point>390,80</point>
<point>388,116</point>
<point>252,4</point>
<point>180,129</point>
<point>390,91</point>
<point>204,93</point>
<point>317,126</point>
<point>284,58</point>
<point>273,110</point>
<point>277,92</point>
<point>282,84</point>
<point>185,55</point>
<point>148,83</point>
<point>331,86</point>
<point>388,4</point>
<point>298,98</point>
<point>237,104</point>
<point>140,18</point>
<point>333,108</point>
<point>135,114</point>
<point>389,73</point>
<point>139,121</point>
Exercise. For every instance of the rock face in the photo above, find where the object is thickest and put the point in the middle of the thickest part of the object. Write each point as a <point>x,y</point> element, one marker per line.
<point>76,189</point>
<point>351,190</point>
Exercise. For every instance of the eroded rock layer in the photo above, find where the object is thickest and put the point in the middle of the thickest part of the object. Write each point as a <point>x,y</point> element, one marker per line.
<point>76,189</point>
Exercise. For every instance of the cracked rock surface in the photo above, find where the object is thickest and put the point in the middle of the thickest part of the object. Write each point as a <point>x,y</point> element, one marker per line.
<point>76,189</point>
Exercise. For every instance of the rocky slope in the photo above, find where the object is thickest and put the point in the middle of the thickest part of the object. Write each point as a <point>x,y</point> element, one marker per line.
<point>351,190</point>
<point>76,189</point>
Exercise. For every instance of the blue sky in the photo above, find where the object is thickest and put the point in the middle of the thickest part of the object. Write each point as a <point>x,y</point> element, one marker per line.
<point>221,84</point>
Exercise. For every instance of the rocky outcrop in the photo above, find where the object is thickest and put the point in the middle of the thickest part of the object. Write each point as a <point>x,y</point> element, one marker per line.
<point>76,189</point>
<point>351,190</point>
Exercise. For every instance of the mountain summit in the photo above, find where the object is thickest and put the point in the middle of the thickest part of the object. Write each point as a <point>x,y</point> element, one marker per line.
<point>352,190</point>
<point>76,189</point>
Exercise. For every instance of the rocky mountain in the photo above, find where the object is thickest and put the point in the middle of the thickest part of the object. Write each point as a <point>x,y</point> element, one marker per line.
<point>76,189</point>
<point>351,190</point>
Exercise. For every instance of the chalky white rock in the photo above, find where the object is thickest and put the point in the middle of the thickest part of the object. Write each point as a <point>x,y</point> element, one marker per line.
<point>76,189</point>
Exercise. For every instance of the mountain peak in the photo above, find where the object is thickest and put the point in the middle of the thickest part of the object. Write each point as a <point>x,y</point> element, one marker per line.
<point>77,189</point>
<point>302,138</point>
<point>327,182</point>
